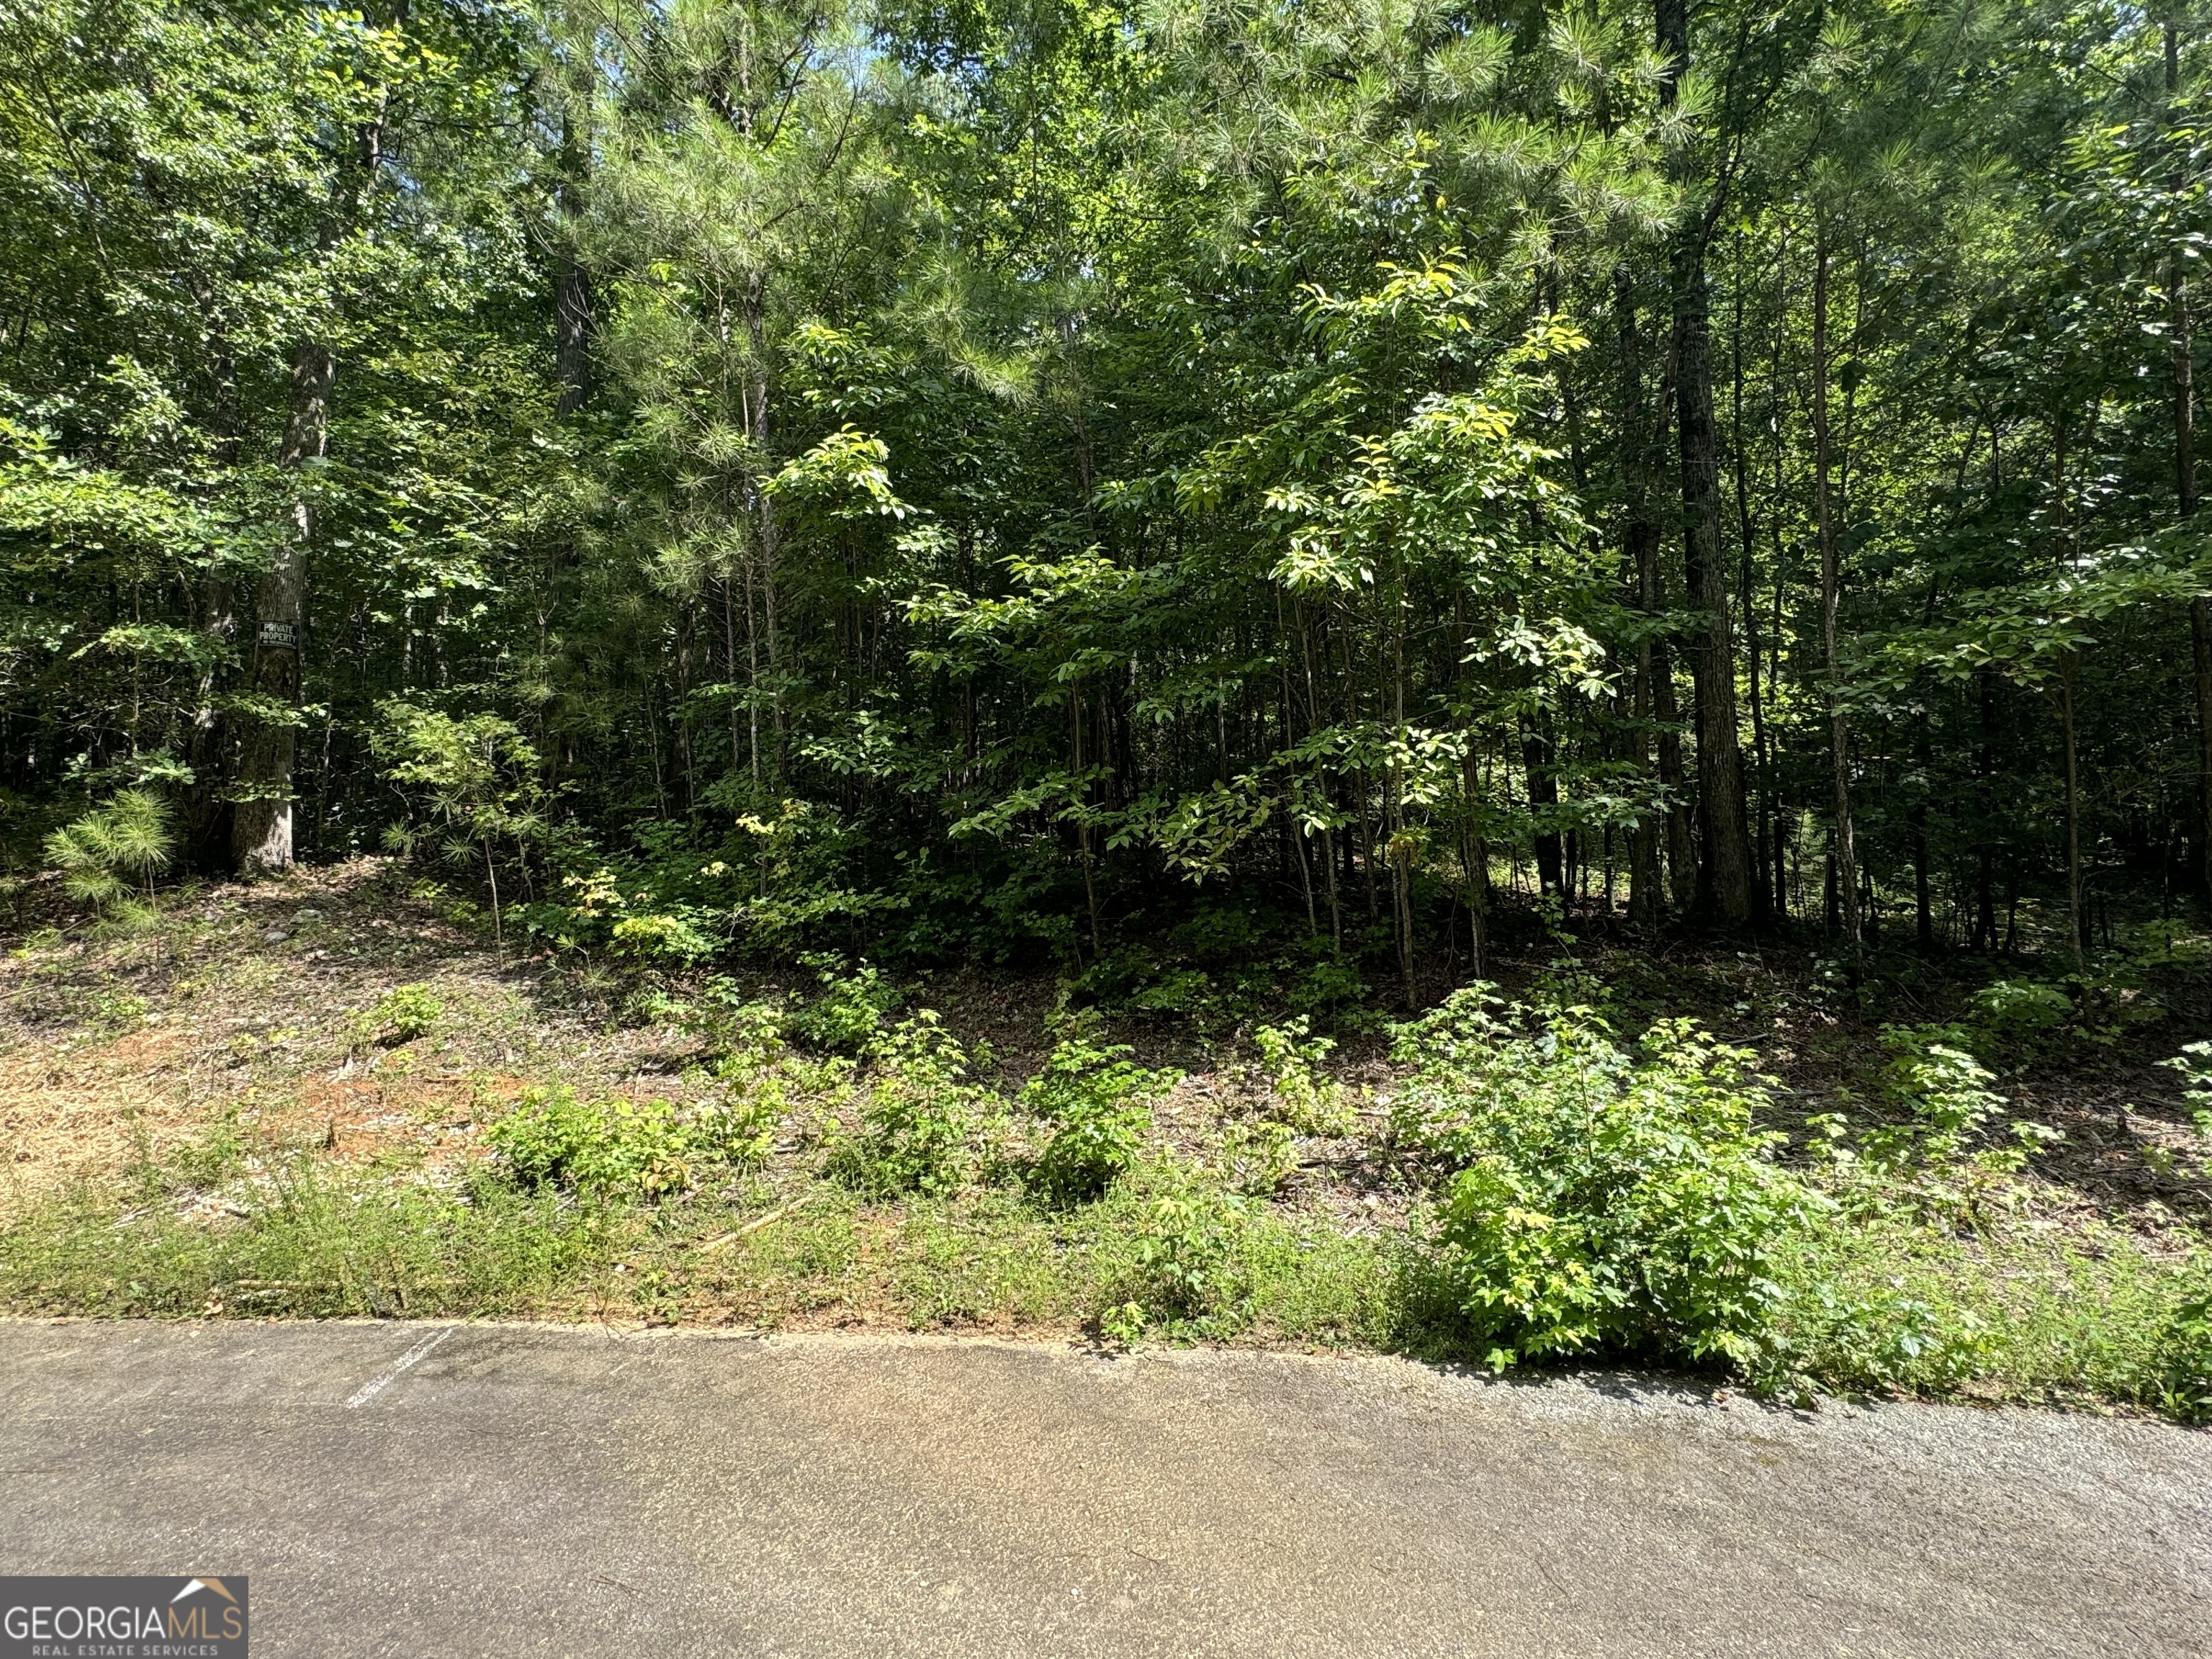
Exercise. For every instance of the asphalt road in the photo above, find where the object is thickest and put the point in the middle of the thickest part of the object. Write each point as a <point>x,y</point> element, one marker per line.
<point>516,1490</point>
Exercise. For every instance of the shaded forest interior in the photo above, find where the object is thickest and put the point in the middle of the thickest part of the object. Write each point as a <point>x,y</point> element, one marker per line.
<point>952,483</point>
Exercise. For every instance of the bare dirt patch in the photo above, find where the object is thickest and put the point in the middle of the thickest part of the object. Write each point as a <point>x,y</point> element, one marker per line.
<point>252,1009</point>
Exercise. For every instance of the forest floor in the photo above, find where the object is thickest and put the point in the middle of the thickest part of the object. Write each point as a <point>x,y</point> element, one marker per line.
<point>215,1111</point>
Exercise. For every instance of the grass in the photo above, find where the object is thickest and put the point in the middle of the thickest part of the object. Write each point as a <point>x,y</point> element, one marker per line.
<point>207,1121</point>
<point>2022,1314</point>
<point>318,1242</point>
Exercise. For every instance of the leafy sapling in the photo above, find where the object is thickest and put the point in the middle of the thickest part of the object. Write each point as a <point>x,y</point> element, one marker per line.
<point>114,848</point>
<point>1097,1104</point>
<point>2194,1062</point>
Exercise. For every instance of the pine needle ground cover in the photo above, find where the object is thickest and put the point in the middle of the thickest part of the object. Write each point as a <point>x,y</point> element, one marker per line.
<point>321,1097</point>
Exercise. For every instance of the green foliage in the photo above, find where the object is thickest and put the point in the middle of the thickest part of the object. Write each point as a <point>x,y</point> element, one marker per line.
<point>114,848</point>
<point>477,780</point>
<point>651,1149</point>
<point>2021,1013</point>
<point>1304,1096</point>
<point>1879,1337</point>
<point>2019,1020</point>
<point>1596,1198</point>
<point>745,1035</point>
<point>1258,1158</point>
<point>400,1015</point>
<point>2194,1062</point>
<point>921,1119</point>
<point>1185,1244</point>
<point>846,1014</point>
<point>1944,1087</point>
<point>1096,1104</point>
<point>2184,1361</point>
<point>1939,1151</point>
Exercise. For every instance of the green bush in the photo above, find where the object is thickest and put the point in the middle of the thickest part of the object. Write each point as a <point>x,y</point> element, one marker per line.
<point>552,1139</point>
<point>1185,1242</point>
<point>1942,1154</point>
<point>922,1116</point>
<point>2185,1361</point>
<point>2018,1015</point>
<point>2017,1020</point>
<point>1594,1198</point>
<point>1327,988</point>
<point>1098,1105</point>
<point>1258,1158</point>
<point>400,1015</point>
<point>847,1015</point>
<point>1303,1098</point>
<point>1880,1338</point>
<point>103,855</point>
<point>2194,1062</point>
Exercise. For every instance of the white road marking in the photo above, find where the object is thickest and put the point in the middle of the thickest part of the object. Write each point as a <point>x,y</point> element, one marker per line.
<point>384,1379</point>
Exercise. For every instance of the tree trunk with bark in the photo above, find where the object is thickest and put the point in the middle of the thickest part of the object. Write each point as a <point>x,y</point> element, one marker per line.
<point>261,825</point>
<point>1647,899</point>
<point>1543,800</point>
<point>261,822</point>
<point>1839,733</point>
<point>572,280</point>
<point>2185,482</point>
<point>1725,873</point>
<point>207,811</point>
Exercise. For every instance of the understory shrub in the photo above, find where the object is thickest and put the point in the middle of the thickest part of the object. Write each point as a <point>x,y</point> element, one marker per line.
<point>921,1117</point>
<point>1185,1245</point>
<point>1300,1093</point>
<point>551,1138</point>
<point>2194,1062</point>
<point>2012,1022</point>
<point>400,1015</point>
<point>846,1014</point>
<point>1595,1197</point>
<point>2185,1359</point>
<point>1097,1105</point>
<point>1948,1152</point>
<point>116,849</point>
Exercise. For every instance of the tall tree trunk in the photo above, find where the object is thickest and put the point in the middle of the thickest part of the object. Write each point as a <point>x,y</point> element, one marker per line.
<point>1762,901</point>
<point>1401,843</point>
<point>1924,914</point>
<point>261,825</point>
<point>1839,735</point>
<point>2068,668</point>
<point>770,537</point>
<point>261,822</point>
<point>1681,848</point>
<point>1543,793</point>
<point>1647,901</point>
<point>1985,908</point>
<point>2075,922</point>
<point>207,810</point>
<point>572,281</point>
<point>207,813</point>
<point>1726,876</point>
<point>1924,905</point>
<point>2184,484</point>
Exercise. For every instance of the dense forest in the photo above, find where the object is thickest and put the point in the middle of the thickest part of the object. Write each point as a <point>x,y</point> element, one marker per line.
<point>947,480</point>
